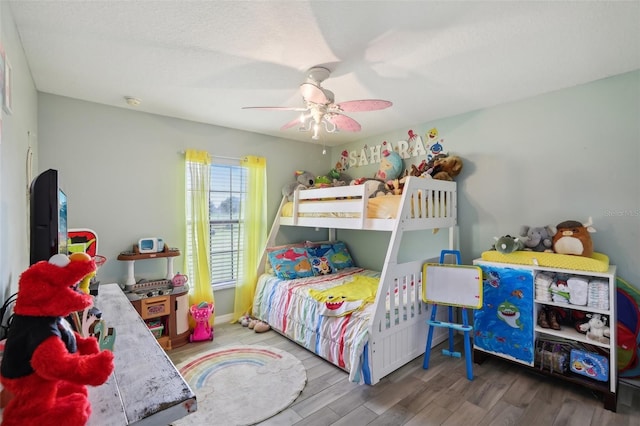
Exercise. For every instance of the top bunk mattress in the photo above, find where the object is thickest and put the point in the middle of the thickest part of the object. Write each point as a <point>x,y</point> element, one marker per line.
<point>384,207</point>
<point>423,204</point>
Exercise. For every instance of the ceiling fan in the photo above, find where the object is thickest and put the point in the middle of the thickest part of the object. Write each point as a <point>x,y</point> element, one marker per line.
<point>320,108</point>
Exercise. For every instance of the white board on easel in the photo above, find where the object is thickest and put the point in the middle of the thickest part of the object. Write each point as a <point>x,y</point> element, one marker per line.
<point>452,285</point>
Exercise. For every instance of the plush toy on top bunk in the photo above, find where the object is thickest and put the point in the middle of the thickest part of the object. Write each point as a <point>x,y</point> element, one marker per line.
<point>442,167</point>
<point>338,177</point>
<point>391,168</point>
<point>303,180</point>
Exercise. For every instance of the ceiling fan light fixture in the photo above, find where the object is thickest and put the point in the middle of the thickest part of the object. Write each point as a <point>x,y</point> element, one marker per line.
<point>320,108</point>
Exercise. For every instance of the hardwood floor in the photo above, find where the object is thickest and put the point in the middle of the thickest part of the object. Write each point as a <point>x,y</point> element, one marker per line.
<point>500,394</point>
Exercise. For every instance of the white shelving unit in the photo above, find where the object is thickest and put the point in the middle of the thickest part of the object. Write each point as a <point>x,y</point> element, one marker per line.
<point>522,277</point>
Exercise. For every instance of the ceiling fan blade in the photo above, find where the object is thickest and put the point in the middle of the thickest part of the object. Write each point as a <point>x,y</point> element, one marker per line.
<point>277,108</point>
<point>312,93</point>
<point>344,123</point>
<point>292,123</point>
<point>364,105</point>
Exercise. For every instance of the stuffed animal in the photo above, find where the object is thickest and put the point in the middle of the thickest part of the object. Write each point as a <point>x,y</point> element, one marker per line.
<point>303,180</point>
<point>322,182</point>
<point>395,186</point>
<point>445,167</point>
<point>539,238</point>
<point>391,166</point>
<point>573,237</point>
<point>338,177</point>
<point>46,365</point>
<point>420,170</point>
<point>508,244</point>
<point>373,188</point>
<point>596,329</point>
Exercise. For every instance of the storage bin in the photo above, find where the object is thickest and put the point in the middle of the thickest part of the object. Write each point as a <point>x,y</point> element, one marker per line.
<point>156,330</point>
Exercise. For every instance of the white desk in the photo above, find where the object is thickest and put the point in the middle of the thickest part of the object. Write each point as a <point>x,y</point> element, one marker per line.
<point>145,387</point>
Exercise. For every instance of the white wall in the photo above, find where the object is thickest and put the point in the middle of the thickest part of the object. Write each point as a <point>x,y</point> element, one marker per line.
<point>565,155</point>
<point>123,173</point>
<point>18,132</point>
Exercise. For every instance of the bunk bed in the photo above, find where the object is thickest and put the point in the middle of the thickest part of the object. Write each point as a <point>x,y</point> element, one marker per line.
<point>390,329</point>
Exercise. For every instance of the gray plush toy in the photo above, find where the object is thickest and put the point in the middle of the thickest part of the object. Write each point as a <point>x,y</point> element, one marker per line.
<point>508,244</point>
<point>303,180</point>
<point>539,238</point>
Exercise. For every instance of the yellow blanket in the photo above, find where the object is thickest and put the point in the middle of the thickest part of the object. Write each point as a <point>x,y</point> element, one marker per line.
<point>346,298</point>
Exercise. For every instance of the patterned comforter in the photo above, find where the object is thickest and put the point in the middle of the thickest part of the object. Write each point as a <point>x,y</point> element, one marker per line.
<point>288,307</point>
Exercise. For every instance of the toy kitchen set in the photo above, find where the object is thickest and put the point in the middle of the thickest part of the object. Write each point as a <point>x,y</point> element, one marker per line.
<point>162,303</point>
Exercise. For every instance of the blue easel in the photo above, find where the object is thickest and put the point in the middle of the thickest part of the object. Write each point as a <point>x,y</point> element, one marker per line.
<point>452,285</point>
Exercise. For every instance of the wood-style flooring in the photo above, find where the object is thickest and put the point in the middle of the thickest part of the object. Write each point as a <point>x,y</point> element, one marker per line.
<point>500,394</point>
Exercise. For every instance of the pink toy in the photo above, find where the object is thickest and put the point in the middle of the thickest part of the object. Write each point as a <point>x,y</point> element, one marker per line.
<point>201,314</point>
<point>179,280</point>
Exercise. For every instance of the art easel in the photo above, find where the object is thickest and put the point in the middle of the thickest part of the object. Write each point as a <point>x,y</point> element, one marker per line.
<point>452,285</point>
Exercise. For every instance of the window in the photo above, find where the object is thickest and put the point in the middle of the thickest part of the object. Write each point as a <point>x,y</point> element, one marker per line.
<point>227,192</point>
<point>225,227</point>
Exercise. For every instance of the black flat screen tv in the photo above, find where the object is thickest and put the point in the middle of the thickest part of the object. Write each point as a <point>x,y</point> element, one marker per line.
<point>48,217</point>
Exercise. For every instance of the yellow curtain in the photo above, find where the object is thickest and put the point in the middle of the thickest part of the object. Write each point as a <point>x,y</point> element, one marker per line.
<point>254,215</point>
<point>198,171</point>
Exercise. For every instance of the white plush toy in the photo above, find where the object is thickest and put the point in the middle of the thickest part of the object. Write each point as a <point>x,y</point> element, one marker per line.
<point>596,329</point>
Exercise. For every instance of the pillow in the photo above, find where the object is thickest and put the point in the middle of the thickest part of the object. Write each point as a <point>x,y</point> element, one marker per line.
<point>318,249</point>
<point>268,267</point>
<point>290,262</point>
<point>322,265</point>
<point>341,257</point>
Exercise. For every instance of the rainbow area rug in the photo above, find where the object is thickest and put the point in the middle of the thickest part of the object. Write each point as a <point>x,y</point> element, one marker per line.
<point>241,385</point>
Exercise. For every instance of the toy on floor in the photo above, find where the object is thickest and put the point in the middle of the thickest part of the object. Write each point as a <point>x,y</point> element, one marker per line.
<point>259,326</point>
<point>46,365</point>
<point>254,324</point>
<point>201,314</point>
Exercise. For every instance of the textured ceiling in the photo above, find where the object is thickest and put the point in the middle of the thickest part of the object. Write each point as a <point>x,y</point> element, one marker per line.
<point>204,60</point>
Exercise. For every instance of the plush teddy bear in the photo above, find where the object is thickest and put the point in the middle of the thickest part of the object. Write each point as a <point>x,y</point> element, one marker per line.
<point>539,238</point>
<point>303,180</point>
<point>46,365</point>
<point>445,167</point>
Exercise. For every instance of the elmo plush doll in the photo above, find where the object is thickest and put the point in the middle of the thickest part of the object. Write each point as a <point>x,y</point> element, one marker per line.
<point>46,365</point>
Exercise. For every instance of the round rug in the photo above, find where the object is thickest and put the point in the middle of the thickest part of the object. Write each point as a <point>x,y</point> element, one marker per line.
<point>241,385</point>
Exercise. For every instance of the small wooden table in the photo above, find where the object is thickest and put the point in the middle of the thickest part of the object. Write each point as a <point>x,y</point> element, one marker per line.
<point>145,387</point>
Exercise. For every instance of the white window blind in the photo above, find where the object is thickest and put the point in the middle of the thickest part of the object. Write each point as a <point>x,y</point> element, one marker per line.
<point>226,194</point>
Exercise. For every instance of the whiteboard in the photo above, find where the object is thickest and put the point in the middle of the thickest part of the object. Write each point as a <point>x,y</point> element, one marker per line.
<point>453,285</point>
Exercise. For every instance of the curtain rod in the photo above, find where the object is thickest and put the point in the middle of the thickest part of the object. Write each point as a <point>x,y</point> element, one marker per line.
<point>217,156</point>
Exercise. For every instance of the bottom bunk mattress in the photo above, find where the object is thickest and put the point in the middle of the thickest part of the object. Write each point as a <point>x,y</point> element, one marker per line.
<point>328,314</point>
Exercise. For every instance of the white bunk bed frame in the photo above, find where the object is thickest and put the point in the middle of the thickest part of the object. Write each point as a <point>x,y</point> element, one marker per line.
<point>394,338</point>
